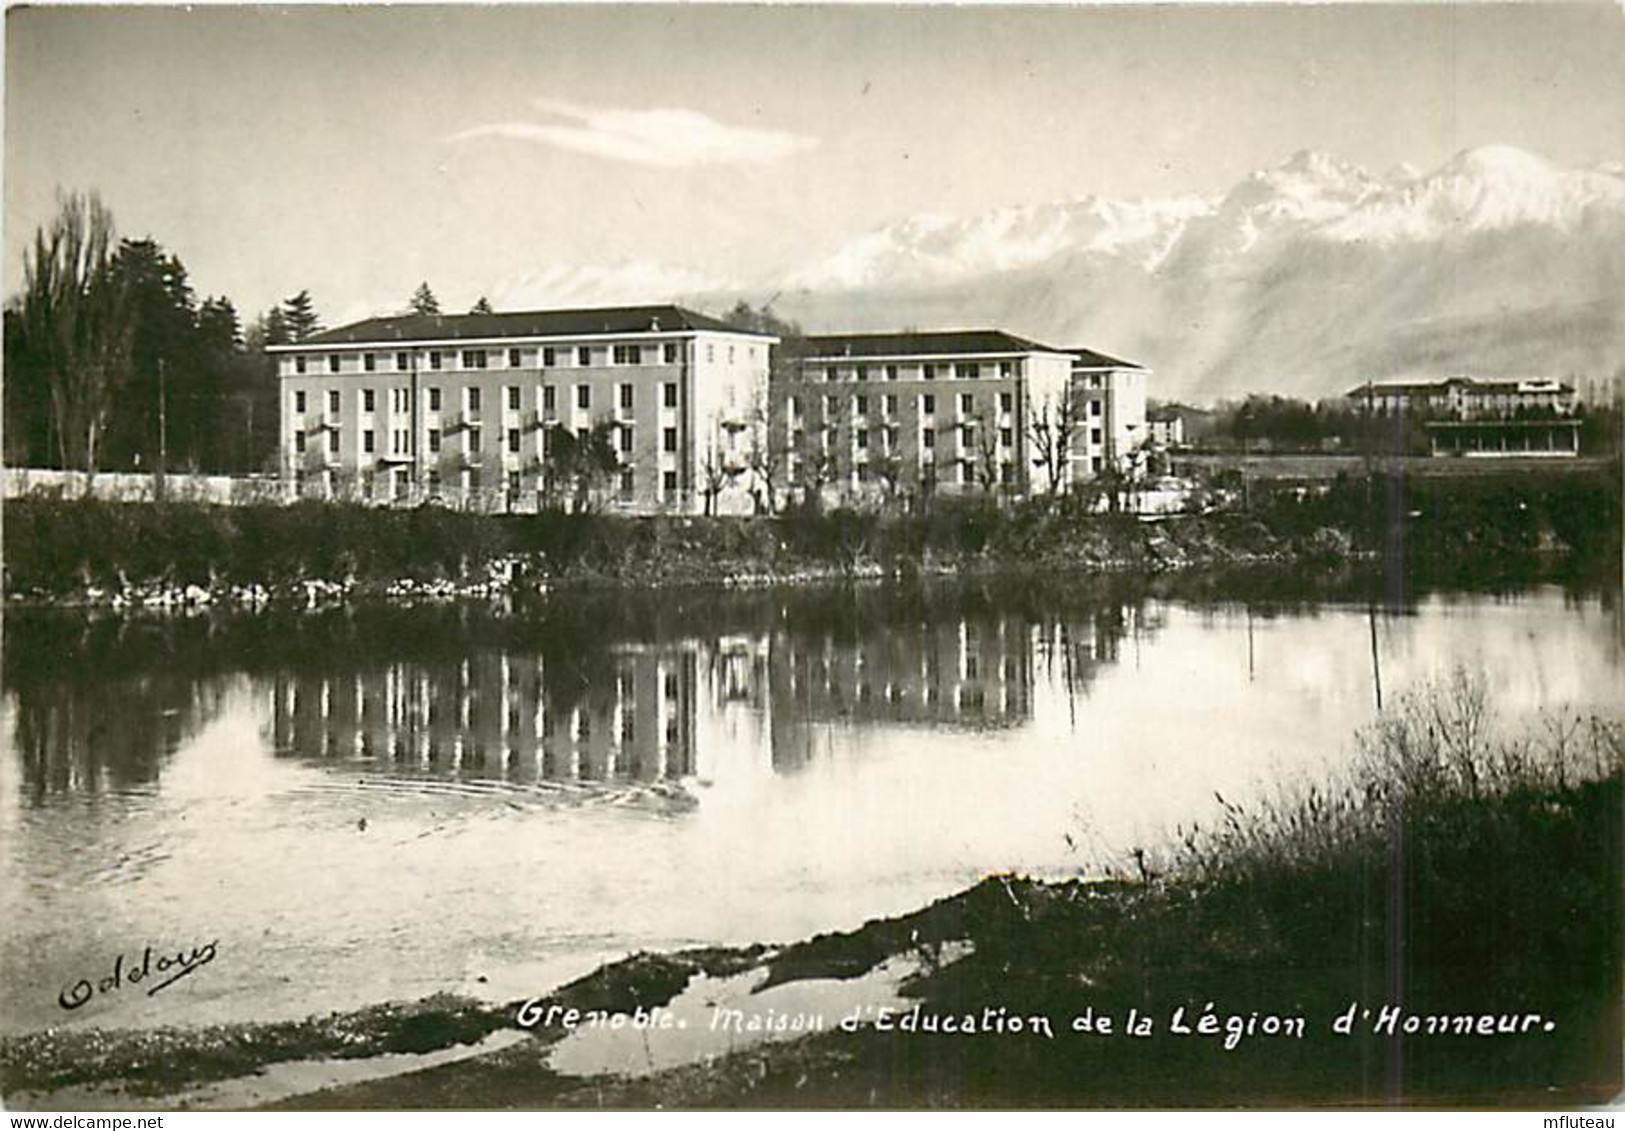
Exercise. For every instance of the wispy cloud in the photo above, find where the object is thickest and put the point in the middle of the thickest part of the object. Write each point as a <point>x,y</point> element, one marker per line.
<point>663,137</point>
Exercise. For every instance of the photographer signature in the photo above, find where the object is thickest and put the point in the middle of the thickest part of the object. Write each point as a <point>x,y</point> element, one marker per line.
<point>175,966</point>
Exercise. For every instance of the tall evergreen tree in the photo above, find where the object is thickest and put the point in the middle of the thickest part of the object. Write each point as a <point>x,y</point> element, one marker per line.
<point>423,300</point>
<point>28,433</point>
<point>259,377</point>
<point>271,329</point>
<point>299,314</point>
<point>164,410</point>
<point>218,327</point>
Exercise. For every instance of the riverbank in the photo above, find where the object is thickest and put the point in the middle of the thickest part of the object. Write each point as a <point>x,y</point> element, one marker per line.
<point>1462,888</point>
<point>86,551</point>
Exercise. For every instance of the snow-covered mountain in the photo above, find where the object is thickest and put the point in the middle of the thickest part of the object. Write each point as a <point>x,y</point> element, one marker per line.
<point>626,281</point>
<point>1303,278</point>
<point>939,249</point>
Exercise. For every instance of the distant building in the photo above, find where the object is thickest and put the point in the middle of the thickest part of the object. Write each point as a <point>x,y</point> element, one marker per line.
<point>461,408</point>
<point>1166,428</point>
<point>871,415</point>
<point>1464,398</point>
<point>1473,416</point>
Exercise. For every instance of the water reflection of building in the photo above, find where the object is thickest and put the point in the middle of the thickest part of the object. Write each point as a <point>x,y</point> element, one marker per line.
<point>501,716</point>
<point>696,707</point>
<point>970,671</point>
<point>1074,649</point>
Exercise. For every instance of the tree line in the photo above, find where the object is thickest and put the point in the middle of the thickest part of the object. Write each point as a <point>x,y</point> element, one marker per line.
<point>113,362</point>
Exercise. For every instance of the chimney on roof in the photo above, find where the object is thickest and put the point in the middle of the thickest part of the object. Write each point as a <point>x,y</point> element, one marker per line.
<point>654,323</point>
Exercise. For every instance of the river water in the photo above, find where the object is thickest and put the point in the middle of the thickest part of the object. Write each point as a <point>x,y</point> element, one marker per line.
<point>370,804</point>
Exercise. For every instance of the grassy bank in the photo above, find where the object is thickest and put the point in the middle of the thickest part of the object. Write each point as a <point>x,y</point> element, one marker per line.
<point>1458,871</point>
<point>87,549</point>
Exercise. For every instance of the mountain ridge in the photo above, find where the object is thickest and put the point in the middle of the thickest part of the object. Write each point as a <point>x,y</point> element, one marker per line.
<point>1302,278</point>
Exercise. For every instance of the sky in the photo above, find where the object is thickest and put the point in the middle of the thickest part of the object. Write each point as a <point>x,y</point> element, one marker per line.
<point>488,150</point>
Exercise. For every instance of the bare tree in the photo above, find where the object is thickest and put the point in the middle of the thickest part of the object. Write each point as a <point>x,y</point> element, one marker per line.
<point>887,466</point>
<point>984,445</point>
<point>1051,427</point>
<point>717,473</point>
<point>821,461</point>
<point>75,323</point>
<point>765,458</point>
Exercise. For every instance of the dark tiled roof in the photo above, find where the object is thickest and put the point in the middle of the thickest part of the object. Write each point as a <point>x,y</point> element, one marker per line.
<point>1485,384</point>
<point>519,324</point>
<point>1094,360</point>
<point>1409,388</point>
<point>927,342</point>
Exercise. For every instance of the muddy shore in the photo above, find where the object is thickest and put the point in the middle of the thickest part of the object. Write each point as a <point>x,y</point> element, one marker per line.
<point>1017,993</point>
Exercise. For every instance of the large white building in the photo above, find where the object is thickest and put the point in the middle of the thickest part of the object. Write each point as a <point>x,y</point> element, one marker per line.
<point>955,411</point>
<point>466,409</point>
<point>484,410</point>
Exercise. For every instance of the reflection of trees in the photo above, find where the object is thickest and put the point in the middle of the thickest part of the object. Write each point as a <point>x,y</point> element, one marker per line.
<point>88,719</point>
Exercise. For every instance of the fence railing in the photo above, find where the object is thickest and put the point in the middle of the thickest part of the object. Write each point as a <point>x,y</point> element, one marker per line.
<point>131,487</point>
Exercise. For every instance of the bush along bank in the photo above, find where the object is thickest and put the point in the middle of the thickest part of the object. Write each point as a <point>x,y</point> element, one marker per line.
<point>188,553</point>
<point>1441,925</point>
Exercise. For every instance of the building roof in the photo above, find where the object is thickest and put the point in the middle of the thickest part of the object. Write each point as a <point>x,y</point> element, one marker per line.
<point>1093,359</point>
<point>521,324</point>
<point>1487,384</point>
<point>926,343</point>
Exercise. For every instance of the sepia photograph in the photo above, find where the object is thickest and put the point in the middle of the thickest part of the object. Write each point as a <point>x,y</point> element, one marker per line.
<point>796,557</point>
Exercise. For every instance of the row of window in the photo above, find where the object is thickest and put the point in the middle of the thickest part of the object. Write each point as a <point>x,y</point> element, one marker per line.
<point>928,436</point>
<point>473,482</point>
<point>668,353</point>
<point>965,472</point>
<point>400,400</point>
<point>927,401</point>
<point>401,440</point>
<point>929,371</point>
<point>888,403</point>
<point>929,472</point>
<point>888,436</point>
